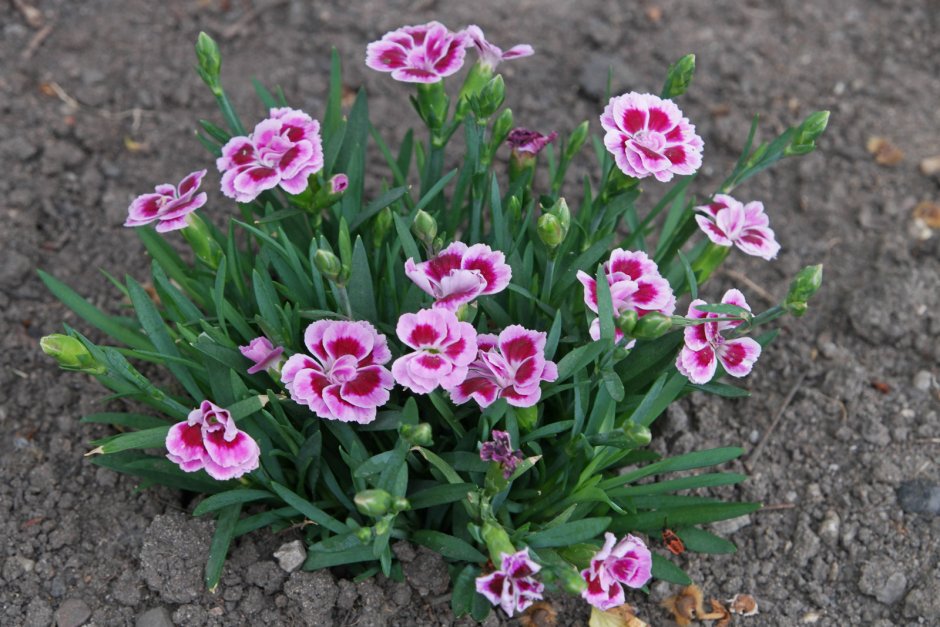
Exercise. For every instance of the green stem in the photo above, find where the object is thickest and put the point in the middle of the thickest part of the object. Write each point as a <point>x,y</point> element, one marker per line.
<point>344,300</point>
<point>548,280</point>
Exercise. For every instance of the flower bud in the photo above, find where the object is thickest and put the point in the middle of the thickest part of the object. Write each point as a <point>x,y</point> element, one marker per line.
<point>467,312</point>
<point>364,534</point>
<point>70,353</point>
<point>477,78</point>
<point>626,321</point>
<point>497,540</point>
<point>576,141</point>
<point>501,127</point>
<point>424,227</point>
<point>330,193</point>
<point>492,96</point>
<point>381,225</point>
<point>570,578</point>
<point>804,138</point>
<point>527,417</point>
<point>637,434</point>
<point>328,264</point>
<point>373,502</point>
<point>210,61</point>
<point>806,282</point>
<point>416,435</point>
<point>631,435</point>
<point>400,504</point>
<point>550,231</point>
<point>200,239</point>
<point>652,326</point>
<point>679,77</point>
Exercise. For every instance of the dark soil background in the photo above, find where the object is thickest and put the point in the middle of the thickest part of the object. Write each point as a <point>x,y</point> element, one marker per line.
<point>98,102</point>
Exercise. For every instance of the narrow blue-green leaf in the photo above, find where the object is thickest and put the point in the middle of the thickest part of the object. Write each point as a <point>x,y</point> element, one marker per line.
<point>667,571</point>
<point>263,94</point>
<point>439,495</point>
<point>689,275</point>
<point>229,498</point>
<point>587,259</point>
<point>698,514</point>
<point>578,358</point>
<point>377,205</point>
<point>408,244</point>
<point>689,461</point>
<point>224,532</point>
<point>569,533</point>
<point>701,541</point>
<point>449,473</point>
<point>547,430</point>
<point>720,389</point>
<point>308,509</point>
<point>134,421</point>
<point>320,559</point>
<point>605,306</point>
<point>264,519</point>
<point>154,437</point>
<point>448,546</point>
<point>160,470</point>
<point>435,190</point>
<point>360,288</point>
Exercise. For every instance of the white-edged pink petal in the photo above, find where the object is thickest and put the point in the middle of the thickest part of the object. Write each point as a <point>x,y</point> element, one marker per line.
<point>738,356</point>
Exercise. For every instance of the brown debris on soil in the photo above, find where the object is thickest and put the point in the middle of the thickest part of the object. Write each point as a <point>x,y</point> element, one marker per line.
<point>884,151</point>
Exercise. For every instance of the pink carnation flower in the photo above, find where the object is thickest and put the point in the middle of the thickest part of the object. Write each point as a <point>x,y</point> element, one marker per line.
<point>419,54</point>
<point>283,150</point>
<point>627,562</point>
<point>532,142</point>
<point>458,274</point>
<point>168,206</point>
<point>491,55</point>
<point>705,345</point>
<point>511,366</point>
<point>344,379</point>
<point>734,223</point>
<point>444,347</point>
<point>262,352</point>
<point>209,439</point>
<point>649,136</point>
<point>635,285</point>
<point>513,587</point>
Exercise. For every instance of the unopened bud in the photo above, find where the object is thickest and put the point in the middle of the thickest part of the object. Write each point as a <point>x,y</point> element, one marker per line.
<point>364,534</point>
<point>330,193</point>
<point>416,435</point>
<point>526,417</point>
<point>467,312</point>
<point>679,77</point>
<point>328,264</point>
<point>560,210</point>
<point>627,321</point>
<point>373,502</point>
<point>804,138</point>
<point>576,141</point>
<point>424,227</point>
<point>497,541</point>
<point>492,96</point>
<point>197,235</point>
<point>652,326</point>
<point>550,231</point>
<point>70,354</point>
<point>400,504</point>
<point>210,61</point>
<point>381,225</point>
<point>502,126</point>
<point>570,578</point>
<point>806,282</point>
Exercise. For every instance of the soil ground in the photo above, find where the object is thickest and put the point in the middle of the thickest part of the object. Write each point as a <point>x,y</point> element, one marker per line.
<point>98,102</point>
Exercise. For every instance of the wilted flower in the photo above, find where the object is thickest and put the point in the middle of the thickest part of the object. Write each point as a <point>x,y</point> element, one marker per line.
<point>344,379</point>
<point>511,366</point>
<point>500,450</point>
<point>513,587</point>
<point>459,273</point>
<point>262,352</point>
<point>491,55</point>
<point>649,136</point>
<point>283,150</point>
<point>627,562</point>
<point>168,205</point>
<point>531,142</point>
<point>444,347</point>
<point>635,285</point>
<point>734,223</point>
<point>705,345</point>
<point>419,54</point>
<point>209,439</point>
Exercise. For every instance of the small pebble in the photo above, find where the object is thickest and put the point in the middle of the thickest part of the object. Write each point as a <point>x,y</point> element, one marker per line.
<point>72,613</point>
<point>156,617</point>
<point>919,496</point>
<point>923,380</point>
<point>291,556</point>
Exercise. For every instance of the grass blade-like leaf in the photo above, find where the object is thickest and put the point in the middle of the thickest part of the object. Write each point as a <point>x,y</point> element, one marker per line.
<point>224,532</point>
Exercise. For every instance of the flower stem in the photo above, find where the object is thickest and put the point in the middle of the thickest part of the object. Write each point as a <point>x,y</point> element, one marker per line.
<point>344,300</point>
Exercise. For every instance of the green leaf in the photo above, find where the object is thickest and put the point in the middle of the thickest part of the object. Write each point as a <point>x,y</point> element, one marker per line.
<point>449,473</point>
<point>308,509</point>
<point>697,514</point>
<point>408,245</point>
<point>248,406</point>
<point>264,519</point>
<point>439,495</point>
<point>360,288</point>
<point>448,546</point>
<point>702,541</point>
<point>569,533</point>
<point>148,438</point>
<point>464,590</point>
<point>224,532</point>
<point>92,315</point>
<point>724,308</point>
<point>377,205</point>
<point>720,389</point>
<point>547,430</point>
<point>321,559</point>
<point>613,384</point>
<point>577,359</point>
<point>229,498</point>
<point>689,461</point>
<point>707,480</point>
<point>667,571</point>
<point>605,306</point>
<point>160,470</point>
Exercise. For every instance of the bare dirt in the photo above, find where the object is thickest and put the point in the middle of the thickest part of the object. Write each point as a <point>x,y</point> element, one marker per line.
<point>98,102</point>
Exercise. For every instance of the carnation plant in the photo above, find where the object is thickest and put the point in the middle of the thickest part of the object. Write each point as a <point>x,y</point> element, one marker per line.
<point>438,346</point>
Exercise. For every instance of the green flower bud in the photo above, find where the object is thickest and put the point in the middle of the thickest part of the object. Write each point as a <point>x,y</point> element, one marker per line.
<point>501,128</point>
<point>560,210</point>
<point>416,435</point>
<point>679,77</point>
<point>330,193</point>
<point>570,578</point>
<point>497,541</point>
<point>432,104</point>
<point>197,235</point>
<point>381,225</point>
<point>477,78</point>
<point>364,534</point>
<point>804,138</point>
<point>550,231</point>
<point>467,312</point>
<point>627,321</point>
<point>631,435</point>
<point>806,282</point>
<point>328,264</point>
<point>400,504</point>
<point>652,326</point>
<point>70,353</point>
<point>492,96</point>
<point>526,417</point>
<point>210,61</point>
<point>578,136</point>
<point>373,502</point>
<point>424,227</point>
<point>639,435</point>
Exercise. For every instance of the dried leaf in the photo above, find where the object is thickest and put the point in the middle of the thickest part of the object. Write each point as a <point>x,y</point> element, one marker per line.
<point>686,606</point>
<point>133,145</point>
<point>929,213</point>
<point>884,151</point>
<point>743,604</point>
<point>719,613</point>
<point>621,616</point>
<point>540,614</point>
